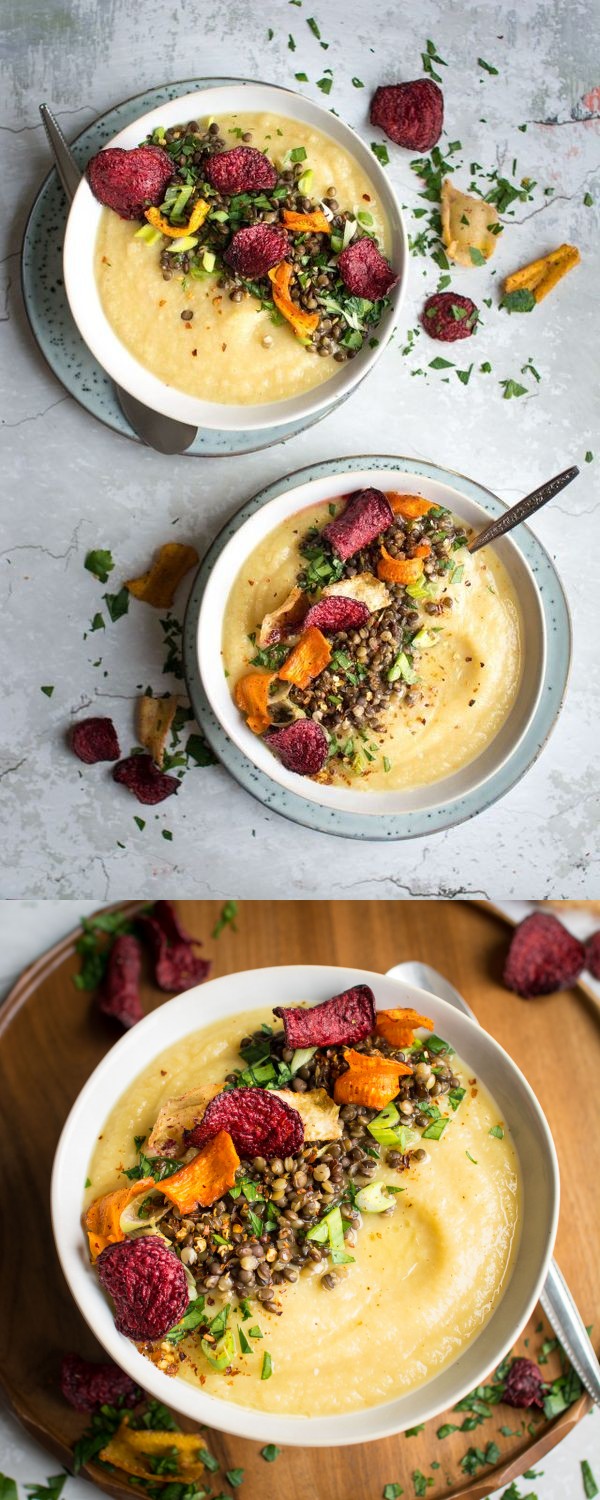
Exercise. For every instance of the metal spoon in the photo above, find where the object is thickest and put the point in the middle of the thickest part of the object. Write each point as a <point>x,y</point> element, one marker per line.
<point>158,431</point>
<point>522,509</point>
<point>557,1301</point>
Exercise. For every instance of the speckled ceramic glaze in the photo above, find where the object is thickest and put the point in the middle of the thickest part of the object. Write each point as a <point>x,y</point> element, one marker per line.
<point>446,814</point>
<point>48,311</point>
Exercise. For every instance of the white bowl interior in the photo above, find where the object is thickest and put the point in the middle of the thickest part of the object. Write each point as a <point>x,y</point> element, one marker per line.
<point>84,299</point>
<point>228,996</point>
<point>369,803</point>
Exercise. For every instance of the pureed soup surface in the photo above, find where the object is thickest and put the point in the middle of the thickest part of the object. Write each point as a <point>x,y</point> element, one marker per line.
<point>423,1283</point>
<point>467,683</point>
<point>220,356</point>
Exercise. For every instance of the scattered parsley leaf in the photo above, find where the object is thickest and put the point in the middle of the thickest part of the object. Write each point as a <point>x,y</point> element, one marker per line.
<point>488,66</point>
<point>291,43</point>
<point>226,918</point>
<point>464,375</point>
<point>270,1452</point>
<point>98,622</point>
<point>589,457</point>
<point>166,833</point>
<point>234,1477</point>
<point>381,152</point>
<point>117,604</point>
<point>471,1158</point>
<point>522,301</point>
<point>512,388</point>
<point>588,202</point>
<point>324,84</point>
<point>497,1131</point>
<point>141,822</point>
<point>590,1487</point>
<point>414,1431</point>
<point>301,77</point>
<point>210,1462</point>
<point>267,1367</point>
<point>48,689</point>
<point>476,256</point>
<point>8,1488</point>
<point>392,1491</point>
<point>358,84</point>
<point>441,364</point>
<point>310,21</point>
<point>100,563</point>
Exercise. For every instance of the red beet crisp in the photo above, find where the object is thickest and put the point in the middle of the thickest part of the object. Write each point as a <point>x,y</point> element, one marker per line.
<point>148,1285</point>
<point>242,170</point>
<point>128,181</point>
<point>411,114</point>
<point>259,1123</point>
<point>347,1018</point>
<point>88,1386</point>
<point>119,996</point>
<point>95,739</point>
<point>542,957</point>
<point>448,317</point>
<point>365,271</point>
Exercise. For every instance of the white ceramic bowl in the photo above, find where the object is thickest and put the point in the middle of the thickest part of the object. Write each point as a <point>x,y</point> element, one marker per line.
<point>279,986</point>
<point>346,799</point>
<point>84,299</point>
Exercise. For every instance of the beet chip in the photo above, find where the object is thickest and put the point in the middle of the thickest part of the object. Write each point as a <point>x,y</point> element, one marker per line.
<point>258,1122</point>
<point>127,181</point>
<point>365,271</point>
<point>592,955</point>
<point>301,747</point>
<point>367,514</point>
<point>242,170</point>
<point>253,251</point>
<point>95,739</point>
<point>411,114</point>
<point>119,995</point>
<point>542,957</point>
<point>87,1386</point>
<point>348,1017</point>
<point>337,612</point>
<point>140,775</point>
<point>524,1384</point>
<point>147,1283</point>
<point>448,317</point>
<point>176,965</point>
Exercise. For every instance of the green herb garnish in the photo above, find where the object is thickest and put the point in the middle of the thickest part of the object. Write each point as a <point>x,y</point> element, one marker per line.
<point>266,1367</point>
<point>117,604</point>
<point>522,301</point>
<point>191,1319</point>
<point>497,1131</point>
<point>99,563</point>
<point>590,1487</point>
<point>381,152</point>
<point>488,66</point>
<point>270,1452</point>
<point>226,918</point>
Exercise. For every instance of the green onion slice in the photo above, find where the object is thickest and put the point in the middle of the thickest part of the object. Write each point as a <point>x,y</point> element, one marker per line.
<point>221,1354</point>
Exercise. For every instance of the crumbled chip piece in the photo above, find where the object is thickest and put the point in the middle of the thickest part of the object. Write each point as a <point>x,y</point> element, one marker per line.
<point>159,585</point>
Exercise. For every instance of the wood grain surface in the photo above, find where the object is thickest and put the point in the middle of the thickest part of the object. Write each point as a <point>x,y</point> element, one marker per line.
<point>51,1037</point>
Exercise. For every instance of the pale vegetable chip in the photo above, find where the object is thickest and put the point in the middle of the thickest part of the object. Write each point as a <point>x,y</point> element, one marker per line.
<point>154,717</point>
<point>364,587</point>
<point>175,1117</point>
<point>318,1112</point>
<point>276,623</point>
<point>469,230</point>
<point>135,1452</point>
<point>159,585</point>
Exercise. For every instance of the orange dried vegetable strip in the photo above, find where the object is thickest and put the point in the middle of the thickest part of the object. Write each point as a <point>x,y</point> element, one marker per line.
<point>540,276</point>
<point>176,231</point>
<point>133,1452</point>
<point>307,659</point>
<point>210,1174</point>
<point>411,506</point>
<point>102,1220</point>
<point>396,1026</point>
<point>398,569</point>
<point>251,694</point>
<point>159,585</point>
<point>372,1079</point>
<point>422,550</point>
<point>303,323</point>
<point>314,223</point>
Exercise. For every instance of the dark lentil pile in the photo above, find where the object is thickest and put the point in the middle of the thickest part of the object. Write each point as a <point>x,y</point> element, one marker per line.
<point>253,1246</point>
<point>350,695</point>
<point>315,282</point>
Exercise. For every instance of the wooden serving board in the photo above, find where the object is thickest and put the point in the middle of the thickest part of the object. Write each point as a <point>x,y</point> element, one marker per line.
<point>51,1037</point>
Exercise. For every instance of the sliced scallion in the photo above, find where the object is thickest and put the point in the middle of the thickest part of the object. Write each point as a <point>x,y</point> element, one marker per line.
<point>374,1198</point>
<point>219,1355</point>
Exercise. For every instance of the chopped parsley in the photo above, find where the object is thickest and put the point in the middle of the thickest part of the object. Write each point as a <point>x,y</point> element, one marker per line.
<point>325,85</point>
<point>117,604</point>
<point>381,152</point>
<point>588,203</point>
<point>476,256</point>
<point>512,388</point>
<point>357,83</point>
<point>226,918</point>
<point>51,1490</point>
<point>590,1487</point>
<point>270,1452</point>
<point>100,563</point>
<point>429,57</point>
<point>266,1367</point>
<point>497,1131</point>
<point>48,689</point>
<point>522,301</point>
<point>471,1158</point>
<point>392,1491</point>
<point>488,66</point>
<point>589,457</point>
<point>420,1482</point>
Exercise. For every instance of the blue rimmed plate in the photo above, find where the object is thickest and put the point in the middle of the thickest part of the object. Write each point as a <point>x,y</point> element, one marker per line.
<point>46,303</point>
<point>442,806</point>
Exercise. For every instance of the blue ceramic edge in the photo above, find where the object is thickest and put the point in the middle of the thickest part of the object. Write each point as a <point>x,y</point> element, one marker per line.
<point>408,825</point>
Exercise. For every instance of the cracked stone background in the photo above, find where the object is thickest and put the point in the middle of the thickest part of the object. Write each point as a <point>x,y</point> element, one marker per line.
<point>70,484</point>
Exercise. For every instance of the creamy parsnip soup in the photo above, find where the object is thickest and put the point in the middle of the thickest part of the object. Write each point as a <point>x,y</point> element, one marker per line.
<point>366,1210</point>
<point>369,647</point>
<point>252,280</point>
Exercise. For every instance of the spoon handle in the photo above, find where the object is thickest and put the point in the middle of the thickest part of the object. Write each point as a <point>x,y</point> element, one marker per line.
<point>64,161</point>
<point>522,509</point>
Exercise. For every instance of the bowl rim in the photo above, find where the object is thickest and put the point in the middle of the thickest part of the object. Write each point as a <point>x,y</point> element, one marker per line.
<point>475,773</point>
<point>249,1422</point>
<point>392,825</point>
<point>114,357</point>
